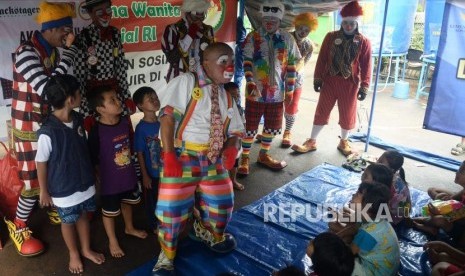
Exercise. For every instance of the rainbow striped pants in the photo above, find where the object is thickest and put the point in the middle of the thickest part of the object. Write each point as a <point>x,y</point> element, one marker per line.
<point>202,181</point>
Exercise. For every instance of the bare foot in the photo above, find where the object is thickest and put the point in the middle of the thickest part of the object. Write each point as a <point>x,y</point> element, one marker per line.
<point>116,251</point>
<point>75,264</point>
<point>141,234</point>
<point>95,257</point>
<point>238,186</point>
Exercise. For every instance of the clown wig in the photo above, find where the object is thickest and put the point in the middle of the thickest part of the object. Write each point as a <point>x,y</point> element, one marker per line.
<point>306,19</point>
<point>54,15</point>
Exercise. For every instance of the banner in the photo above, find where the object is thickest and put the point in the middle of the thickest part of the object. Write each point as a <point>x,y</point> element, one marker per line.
<point>141,24</point>
<point>446,102</point>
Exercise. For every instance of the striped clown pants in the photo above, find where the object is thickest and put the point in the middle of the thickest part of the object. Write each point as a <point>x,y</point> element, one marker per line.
<point>202,181</point>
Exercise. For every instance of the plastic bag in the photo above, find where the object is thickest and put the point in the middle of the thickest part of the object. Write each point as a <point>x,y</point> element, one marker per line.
<point>10,184</point>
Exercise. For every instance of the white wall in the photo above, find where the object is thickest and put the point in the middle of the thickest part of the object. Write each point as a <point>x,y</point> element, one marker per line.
<point>5,114</point>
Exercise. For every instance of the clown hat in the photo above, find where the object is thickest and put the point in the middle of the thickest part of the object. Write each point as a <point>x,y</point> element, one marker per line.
<point>352,11</point>
<point>54,15</point>
<point>306,19</point>
<point>197,6</point>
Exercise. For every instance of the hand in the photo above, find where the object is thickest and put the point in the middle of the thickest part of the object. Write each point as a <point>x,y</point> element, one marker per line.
<point>433,210</point>
<point>362,94</point>
<point>131,106</point>
<point>69,40</point>
<point>229,157</point>
<point>45,199</point>
<point>193,29</point>
<point>443,196</point>
<point>251,89</point>
<point>317,84</point>
<point>147,182</point>
<point>438,246</point>
<point>172,167</point>
<point>288,99</point>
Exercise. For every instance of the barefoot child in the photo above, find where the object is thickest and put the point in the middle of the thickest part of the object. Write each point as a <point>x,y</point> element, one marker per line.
<point>233,89</point>
<point>64,169</point>
<point>148,148</point>
<point>110,144</point>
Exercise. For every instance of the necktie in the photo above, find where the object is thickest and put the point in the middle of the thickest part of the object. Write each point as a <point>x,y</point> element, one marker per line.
<point>216,127</point>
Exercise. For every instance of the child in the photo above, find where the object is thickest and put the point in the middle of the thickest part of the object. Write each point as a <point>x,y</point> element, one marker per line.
<point>64,169</point>
<point>446,195</point>
<point>378,173</point>
<point>110,144</point>
<point>374,173</point>
<point>233,89</point>
<point>445,259</point>
<point>401,202</point>
<point>330,256</point>
<point>432,224</point>
<point>148,148</point>
<point>376,242</point>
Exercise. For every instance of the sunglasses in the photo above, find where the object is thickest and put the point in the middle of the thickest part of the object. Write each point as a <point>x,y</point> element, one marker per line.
<point>101,12</point>
<point>272,9</point>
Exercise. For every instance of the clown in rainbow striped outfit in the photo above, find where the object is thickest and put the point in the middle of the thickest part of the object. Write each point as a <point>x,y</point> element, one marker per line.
<point>270,57</point>
<point>203,117</point>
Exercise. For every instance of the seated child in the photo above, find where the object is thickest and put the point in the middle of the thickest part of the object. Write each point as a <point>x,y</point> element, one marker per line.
<point>148,148</point>
<point>233,89</point>
<point>376,242</point>
<point>401,202</point>
<point>431,225</point>
<point>330,256</point>
<point>441,194</point>
<point>445,259</point>
<point>64,169</point>
<point>374,173</point>
<point>110,142</point>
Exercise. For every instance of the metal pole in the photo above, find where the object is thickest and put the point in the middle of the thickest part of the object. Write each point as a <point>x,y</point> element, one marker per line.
<point>378,68</point>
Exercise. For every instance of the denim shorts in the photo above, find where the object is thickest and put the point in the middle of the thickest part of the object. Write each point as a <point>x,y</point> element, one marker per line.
<point>70,215</point>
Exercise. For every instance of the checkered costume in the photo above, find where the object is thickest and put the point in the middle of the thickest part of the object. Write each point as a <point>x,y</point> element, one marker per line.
<point>177,46</point>
<point>110,69</point>
<point>34,62</point>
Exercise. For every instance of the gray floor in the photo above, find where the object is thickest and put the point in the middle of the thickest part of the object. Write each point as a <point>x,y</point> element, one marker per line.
<point>396,121</point>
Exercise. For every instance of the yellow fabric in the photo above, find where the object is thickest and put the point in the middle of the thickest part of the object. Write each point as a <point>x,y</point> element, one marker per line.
<point>196,147</point>
<point>54,11</point>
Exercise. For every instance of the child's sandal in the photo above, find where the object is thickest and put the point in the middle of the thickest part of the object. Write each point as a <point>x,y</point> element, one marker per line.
<point>458,150</point>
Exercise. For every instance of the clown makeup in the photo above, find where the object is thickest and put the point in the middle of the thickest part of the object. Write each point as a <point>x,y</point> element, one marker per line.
<point>271,24</point>
<point>102,14</point>
<point>228,72</point>
<point>349,26</point>
<point>197,16</point>
<point>302,32</point>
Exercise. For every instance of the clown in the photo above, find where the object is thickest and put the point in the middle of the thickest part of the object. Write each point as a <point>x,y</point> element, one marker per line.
<point>304,24</point>
<point>343,74</point>
<point>100,59</point>
<point>270,57</point>
<point>184,41</point>
<point>35,62</point>
<point>206,121</point>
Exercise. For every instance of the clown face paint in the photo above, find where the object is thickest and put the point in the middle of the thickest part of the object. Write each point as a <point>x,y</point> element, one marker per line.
<point>101,14</point>
<point>302,32</point>
<point>349,26</point>
<point>228,72</point>
<point>270,24</point>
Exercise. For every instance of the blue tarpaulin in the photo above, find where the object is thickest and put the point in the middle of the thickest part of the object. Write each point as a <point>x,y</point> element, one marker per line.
<point>434,10</point>
<point>446,108</point>
<point>267,242</point>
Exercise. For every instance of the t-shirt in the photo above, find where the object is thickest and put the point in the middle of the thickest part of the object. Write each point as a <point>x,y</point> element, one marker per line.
<point>401,202</point>
<point>110,148</point>
<point>379,248</point>
<point>44,148</point>
<point>146,140</point>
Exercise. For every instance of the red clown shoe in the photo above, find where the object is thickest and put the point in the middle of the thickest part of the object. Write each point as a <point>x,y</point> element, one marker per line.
<point>26,245</point>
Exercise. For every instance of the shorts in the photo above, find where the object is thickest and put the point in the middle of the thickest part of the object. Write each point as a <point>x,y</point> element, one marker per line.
<point>111,204</point>
<point>70,215</point>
